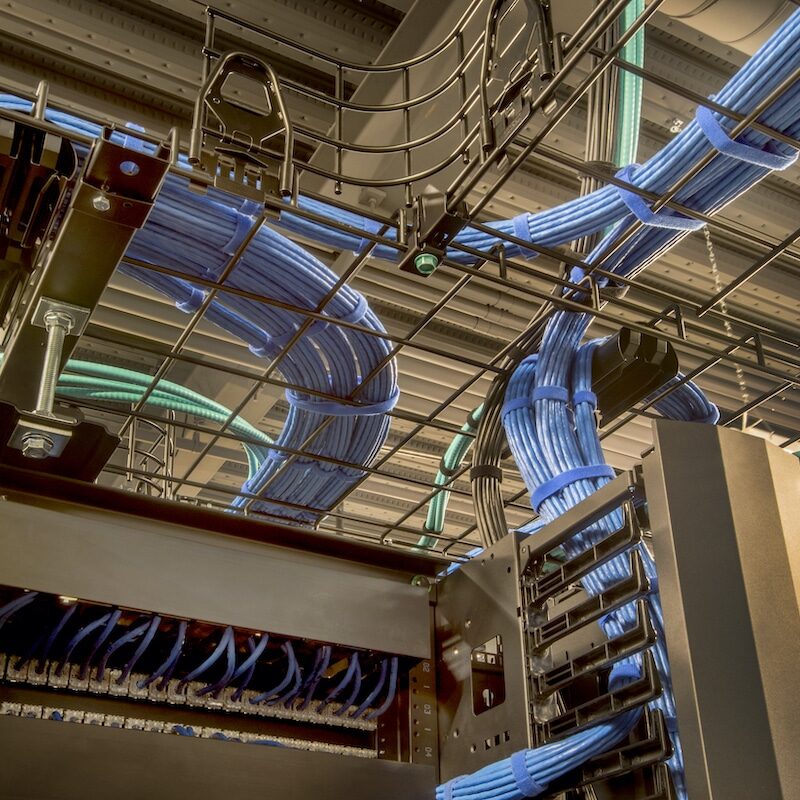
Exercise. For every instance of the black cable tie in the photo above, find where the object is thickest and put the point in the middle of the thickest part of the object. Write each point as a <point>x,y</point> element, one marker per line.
<point>446,471</point>
<point>486,471</point>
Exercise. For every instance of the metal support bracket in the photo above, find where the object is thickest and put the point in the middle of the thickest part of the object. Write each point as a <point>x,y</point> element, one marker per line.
<point>433,228</point>
<point>111,200</point>
<point>239,146</point>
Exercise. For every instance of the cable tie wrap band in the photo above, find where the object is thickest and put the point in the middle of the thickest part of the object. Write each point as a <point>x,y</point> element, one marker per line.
<point>370,226</point>
<point>450,787</point>
<point>549,488</point>
<point>245,220</point>
<point>585,396</point>
<point>522,231</point>
<point>639,208</point>
<point>193,302</point>
<point>557,393</point>
<point>768,157</point>
<point>486,471</point>
<point>336,408</point>
<point>526,785</point>
<point>318,326</point>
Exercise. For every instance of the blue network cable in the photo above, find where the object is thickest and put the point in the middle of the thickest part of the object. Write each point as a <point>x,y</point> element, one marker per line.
<point>548,412</point>
<point>248,667</point>
<point>291,672</point>
<point>196,235</point>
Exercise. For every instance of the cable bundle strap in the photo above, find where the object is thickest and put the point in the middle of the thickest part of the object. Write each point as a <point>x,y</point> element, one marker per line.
<point>450,787</point>
<point>585,396</point>
<point>526,785</point>
<point>370,226</point>
<point>639,208</point>
<point>557,393</point>
<point>718,137</point>
<point>244,224</point>
<point>193,302</point>
<point>336,408</point>
<point>522,231</point>
<point>486,471</point>
<point>549,488</point>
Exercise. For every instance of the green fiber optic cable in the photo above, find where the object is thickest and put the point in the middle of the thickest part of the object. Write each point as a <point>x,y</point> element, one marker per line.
<point>629,115</point>
<point>92,381</point>
<point>629,108</point>
<point>451,461</point>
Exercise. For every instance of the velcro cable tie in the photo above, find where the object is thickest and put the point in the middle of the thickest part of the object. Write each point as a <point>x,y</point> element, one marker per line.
<point>486,471</point>
<point>336,408</point>
<point>370,226</point>
<point>266,349</point>
<point>527,786</point>
<point>353,317</point>
<point>446,471</point>
<point>665,218</point>
<point>549,488</point>
<point>243,225</point>
<point>768,157</point>
<point>584,396</point>
<point>522,231</point>
<point>558,393</point>
<point>193,302</point>
<point>624,672</point>
<point>358,313</point>
<point>450,787</point>
<point>515,405</point>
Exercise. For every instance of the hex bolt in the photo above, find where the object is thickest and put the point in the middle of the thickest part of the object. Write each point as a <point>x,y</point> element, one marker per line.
<point>37,445</point>
<point>57,324</point>
<point>426,263</point>
<point>101,203</point>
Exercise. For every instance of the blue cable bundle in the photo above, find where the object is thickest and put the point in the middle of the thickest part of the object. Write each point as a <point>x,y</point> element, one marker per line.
<point>197,235</point>
<point>738,166</point>
<point>549,406</point>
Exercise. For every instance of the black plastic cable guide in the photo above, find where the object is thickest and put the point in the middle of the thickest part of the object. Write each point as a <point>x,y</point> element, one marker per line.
<point>627,368</point>
<point>605,707</point>
<point>548,631</point>
<point>638,760</point>
<point>545,586</point>
<point>602,656</point>
<point>569,659</point>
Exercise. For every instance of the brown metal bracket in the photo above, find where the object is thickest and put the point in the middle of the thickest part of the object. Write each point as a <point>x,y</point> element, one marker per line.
<point>241,147</point>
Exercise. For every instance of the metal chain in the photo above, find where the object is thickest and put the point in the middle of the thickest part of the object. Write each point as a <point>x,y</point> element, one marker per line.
<point>712,257</point>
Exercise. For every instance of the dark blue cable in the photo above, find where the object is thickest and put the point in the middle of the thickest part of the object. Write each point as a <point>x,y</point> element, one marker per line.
<point>311,687</point>
<point>368,700</point>
<point>390,694</point>
<point>11,608</point>
<point>216,688</point>
<point>348,676</point>
<point>289,651</point>
<point>309,676</point>
<point>211,660</point>
<point>113,619</point>
<point>140,649</point>
<point>353,694</point>
<point>65,618</point>
<point>172,659</point>
<point>85,631</point>
<point>133,633</point>
<point>248,666</point>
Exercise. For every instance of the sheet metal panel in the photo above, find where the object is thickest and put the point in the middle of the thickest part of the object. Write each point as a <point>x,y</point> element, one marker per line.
<point>91,761</point>
<point>725,513</point>
<point>143,563</point>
